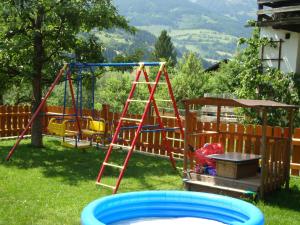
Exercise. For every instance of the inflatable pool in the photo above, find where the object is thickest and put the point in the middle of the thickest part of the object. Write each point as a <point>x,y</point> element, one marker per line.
<point>175,206</point>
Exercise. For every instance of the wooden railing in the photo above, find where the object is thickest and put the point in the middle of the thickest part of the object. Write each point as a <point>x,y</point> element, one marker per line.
<point>234,137</point>
<point>13,119</point>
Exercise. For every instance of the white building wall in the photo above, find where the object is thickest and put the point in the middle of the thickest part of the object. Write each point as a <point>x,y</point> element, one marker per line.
<point>290,50</point>
<point>298,56</point>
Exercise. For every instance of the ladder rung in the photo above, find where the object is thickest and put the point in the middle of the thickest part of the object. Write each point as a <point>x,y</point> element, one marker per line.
<point>162,100</point>
<point>175,139</point>
<point>131,119</point>
<point>136,100</point>
<point>105,185</point>
<point>144,82</point>
<point>113,165</point>
<point>121,146</point>
<point>180,149</point>
<point>168,117</point>
<point>176,153</point>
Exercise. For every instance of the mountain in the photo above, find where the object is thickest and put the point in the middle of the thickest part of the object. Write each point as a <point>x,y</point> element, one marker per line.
<point>209,27</point>
<point>118,41</point>
<point>228,16</point>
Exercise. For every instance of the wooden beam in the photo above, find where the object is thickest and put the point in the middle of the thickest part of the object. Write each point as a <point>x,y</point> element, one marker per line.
<point>185,160</point>
<point>272,1</point>
<point>245,103</point>
<point>272,59</point>
<point>218,118</point>
<point>263,153</point>
<point>280,22</point>
<point>279,10</point>
<point>295,166</point>
<point>289,148</point>
<point>212,101</point>
<point>279,54</point>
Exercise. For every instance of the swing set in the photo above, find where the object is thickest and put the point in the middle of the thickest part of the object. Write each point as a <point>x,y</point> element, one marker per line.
<point>59,125</point>
<point>124,123</point>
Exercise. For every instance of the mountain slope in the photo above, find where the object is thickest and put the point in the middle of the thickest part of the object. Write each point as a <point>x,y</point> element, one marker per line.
<point>228,16</point>
<point>209,27</point>
<point>118,41</point>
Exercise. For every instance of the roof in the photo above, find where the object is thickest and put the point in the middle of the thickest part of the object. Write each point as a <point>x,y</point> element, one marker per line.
<point>216,66</point>
<point>239,103</point>
<point>279,14</point>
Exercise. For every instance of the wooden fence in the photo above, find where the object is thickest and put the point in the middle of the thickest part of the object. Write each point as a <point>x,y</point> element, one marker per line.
<point>13,120</point>
<point>234,137</point>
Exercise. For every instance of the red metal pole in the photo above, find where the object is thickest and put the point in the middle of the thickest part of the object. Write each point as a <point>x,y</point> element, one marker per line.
<point>37,111</point>
<point>73,102</point>
<point>174,102</point>
<point>138,131</point>
<point>160,121</point>
<point>119,125</point>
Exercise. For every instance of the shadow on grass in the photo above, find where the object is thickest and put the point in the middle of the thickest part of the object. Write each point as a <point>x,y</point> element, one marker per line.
<point>288,199</point>
<point>75,165</point>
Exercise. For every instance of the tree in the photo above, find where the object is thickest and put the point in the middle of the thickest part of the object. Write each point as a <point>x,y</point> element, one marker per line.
<point>256,82</point>
<point>35,36</point>
<point>164,49</point>
<point>89,49</point>
<point>114,91</point>
<point>190,79</point>
<point>127,58</point>
<point>245,77</point>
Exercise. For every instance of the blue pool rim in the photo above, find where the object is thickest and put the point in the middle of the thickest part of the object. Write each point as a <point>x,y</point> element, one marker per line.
<point>162,204</point>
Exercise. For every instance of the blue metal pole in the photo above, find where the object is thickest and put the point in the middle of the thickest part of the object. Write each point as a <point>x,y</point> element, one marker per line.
<point>65,95</point>
<point>72,65</point>
<point>80,76</point>
<point>93,91</point>
<point>77,93</point>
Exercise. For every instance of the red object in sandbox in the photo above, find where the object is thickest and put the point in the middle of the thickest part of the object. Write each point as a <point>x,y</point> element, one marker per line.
<point>208,149</point>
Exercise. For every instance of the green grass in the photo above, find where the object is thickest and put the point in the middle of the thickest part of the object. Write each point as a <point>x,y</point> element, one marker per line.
<point>283,207</point>
<point>52,185</point>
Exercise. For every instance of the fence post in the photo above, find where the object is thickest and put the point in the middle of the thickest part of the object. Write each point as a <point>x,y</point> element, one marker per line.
<point>289,147</point>
<point>44,118</point>
<point>296,151</point>
<point>104,115</point>
<point>2,121</point>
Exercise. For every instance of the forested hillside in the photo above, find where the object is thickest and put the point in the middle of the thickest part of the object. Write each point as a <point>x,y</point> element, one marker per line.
<point>210,28</point>
<point>118,41</point>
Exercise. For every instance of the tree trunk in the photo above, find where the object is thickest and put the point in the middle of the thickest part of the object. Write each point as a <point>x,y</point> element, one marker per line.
<point>37,127</point>
<point>1,99</point>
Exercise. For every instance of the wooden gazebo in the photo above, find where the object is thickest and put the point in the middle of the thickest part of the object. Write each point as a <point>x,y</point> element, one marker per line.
<point>273,144</point>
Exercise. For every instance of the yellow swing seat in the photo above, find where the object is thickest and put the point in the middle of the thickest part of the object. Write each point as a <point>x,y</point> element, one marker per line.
<point>60,129</point>
<point>94,128</point>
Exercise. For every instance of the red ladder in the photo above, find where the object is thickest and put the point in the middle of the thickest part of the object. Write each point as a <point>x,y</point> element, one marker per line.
<point>152,89</point>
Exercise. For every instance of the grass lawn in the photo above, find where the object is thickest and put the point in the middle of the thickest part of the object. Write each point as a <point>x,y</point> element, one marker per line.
<point>52,185</point>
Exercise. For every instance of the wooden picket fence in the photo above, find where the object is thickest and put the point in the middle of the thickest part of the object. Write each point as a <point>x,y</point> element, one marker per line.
<point>234,137</point>
<point>13,120</point>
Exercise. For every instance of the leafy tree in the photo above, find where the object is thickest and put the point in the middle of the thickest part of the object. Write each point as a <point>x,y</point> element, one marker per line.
<point>89,49</point>
<point>256,82</point>
<point>164,49</point>
<point>127,58</point>
<point>35,36</point>
<point>18,92</point>
<point>190,79</point>
<point>245,77</point>
<point>114,91</point>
